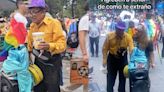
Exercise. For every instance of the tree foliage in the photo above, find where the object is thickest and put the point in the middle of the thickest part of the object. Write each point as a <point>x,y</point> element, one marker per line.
<point>63,8</point>
<point>55,6</point>
<point>5,13</point>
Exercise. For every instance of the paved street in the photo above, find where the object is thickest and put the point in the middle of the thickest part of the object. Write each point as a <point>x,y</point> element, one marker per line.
<point>99,79</point>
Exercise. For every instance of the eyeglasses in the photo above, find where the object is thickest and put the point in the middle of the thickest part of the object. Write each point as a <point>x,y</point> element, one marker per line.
<point>34,11</point>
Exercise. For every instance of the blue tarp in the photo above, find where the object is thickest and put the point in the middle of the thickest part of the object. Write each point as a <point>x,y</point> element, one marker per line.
<point>137,56</point>
<point>17,63</point>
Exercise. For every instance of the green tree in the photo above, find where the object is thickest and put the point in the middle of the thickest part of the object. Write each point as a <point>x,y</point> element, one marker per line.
<point>63,8</point>
<point>79,8</point>
<point>5,13</point>
<point>55,6</point>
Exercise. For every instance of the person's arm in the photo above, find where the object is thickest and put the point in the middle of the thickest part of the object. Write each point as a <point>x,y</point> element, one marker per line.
<point>151,58</point>
<point>58,45</point>
<point>105,50</point>
<point>30,44</point>
<point>82,43</point>
<point>82,33</point>
<point>130,43</point>
<point>29,40</point>
<point>151,53</point>
<point>99,29</point>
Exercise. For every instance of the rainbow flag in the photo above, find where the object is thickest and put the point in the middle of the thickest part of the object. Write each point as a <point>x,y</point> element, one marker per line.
<point>150,28</point>
<point>153,34</point>
<point>13,38</point>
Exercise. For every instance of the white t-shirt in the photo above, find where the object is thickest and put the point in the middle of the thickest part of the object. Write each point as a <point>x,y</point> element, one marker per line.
<point>94,29</point>
<point>83,26</point>
<point>84,23</point>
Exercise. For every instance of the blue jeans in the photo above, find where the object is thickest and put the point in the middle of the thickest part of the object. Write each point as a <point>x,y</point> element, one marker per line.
<point>96,42</point>
<point>163,47</point>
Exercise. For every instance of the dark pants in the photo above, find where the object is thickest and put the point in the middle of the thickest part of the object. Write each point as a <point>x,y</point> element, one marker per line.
<point>51,80</point>
<point>61,77</point>
<point>163,47</point>
<point>96,42</point>
<point>114,65</point>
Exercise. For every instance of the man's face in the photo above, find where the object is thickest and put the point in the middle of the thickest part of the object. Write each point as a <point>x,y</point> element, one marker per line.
<point>37,14</point>
<point>119,33</point>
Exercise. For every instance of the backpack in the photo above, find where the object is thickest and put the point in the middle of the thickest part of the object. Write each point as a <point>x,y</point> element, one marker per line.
<point>73,40</point>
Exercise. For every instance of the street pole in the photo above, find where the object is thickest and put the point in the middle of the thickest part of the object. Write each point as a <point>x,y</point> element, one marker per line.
<point>73,8</point>
<point>63,8</point>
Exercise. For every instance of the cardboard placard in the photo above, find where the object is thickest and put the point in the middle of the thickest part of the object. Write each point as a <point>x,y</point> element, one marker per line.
<point>78,71</point>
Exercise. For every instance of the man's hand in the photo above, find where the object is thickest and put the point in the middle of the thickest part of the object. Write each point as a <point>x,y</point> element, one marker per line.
<point>43,46</point>
<point>152,65</point>
<point>103,69</point>
<point>104,63</point>
<point>85,58</point>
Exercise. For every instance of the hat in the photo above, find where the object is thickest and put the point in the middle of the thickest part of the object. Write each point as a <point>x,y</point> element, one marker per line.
<point>121,25</point>
<point>37,3</point>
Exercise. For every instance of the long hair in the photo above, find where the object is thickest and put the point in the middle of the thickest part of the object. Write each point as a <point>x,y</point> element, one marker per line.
<point>141,37</point>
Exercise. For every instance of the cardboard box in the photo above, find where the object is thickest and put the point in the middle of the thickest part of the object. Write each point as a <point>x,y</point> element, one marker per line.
<point>78,71</point>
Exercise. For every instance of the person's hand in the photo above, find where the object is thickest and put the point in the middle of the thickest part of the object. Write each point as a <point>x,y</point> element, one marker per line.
<point>152,65</point>
<point>12,15</point>
<point>85,58</point>
<point>104,63</point>
<point>103,69</point>
<point>43,46</point>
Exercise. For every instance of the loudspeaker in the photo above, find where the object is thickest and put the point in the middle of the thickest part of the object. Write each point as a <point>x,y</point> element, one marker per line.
<point>8,85</point>
<point>139,80</point>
